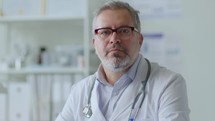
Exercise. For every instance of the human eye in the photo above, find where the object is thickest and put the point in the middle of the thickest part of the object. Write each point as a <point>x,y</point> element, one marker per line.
<point>104,32</point>
<point>124,30</point>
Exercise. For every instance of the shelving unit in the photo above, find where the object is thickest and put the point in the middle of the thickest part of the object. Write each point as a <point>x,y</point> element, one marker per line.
<point>53,31</point>
<point>47,70</point>
<point>35,32</point>
<point>44,86</point>
<point>9,19</point>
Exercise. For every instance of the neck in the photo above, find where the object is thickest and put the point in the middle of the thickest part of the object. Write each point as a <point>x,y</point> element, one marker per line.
<point>111,76</point>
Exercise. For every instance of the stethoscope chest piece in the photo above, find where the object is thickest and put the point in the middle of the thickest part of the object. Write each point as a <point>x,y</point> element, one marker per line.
<point>87,111</point>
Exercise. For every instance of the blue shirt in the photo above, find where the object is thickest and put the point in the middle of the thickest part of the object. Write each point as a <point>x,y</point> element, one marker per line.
<point>108,94</point>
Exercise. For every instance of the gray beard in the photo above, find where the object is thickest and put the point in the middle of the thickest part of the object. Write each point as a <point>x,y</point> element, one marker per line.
<point>116,64</point>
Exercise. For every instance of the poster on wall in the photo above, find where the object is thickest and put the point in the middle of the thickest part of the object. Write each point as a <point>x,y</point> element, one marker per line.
<point>157,8</point>
<point>163,49</point>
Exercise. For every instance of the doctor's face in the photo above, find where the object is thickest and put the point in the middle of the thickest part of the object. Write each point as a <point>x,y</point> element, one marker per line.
<point>116,41</point>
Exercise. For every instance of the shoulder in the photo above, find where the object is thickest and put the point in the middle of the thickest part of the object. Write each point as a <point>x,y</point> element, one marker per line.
<point>162,80</point>
<point>167,89</point>
<point>84,83</point>
<point>163,74</point>
<point>77,98</point>
<point>81,88</point>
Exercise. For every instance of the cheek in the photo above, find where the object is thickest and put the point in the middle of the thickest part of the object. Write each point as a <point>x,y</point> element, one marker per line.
<point>99,47</point>
<point>133,46</point>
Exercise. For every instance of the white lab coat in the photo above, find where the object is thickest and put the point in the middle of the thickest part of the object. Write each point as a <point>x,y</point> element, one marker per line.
<point>165,100</point>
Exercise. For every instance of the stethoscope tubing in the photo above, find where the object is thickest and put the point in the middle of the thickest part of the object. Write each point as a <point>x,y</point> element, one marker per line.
<point>144,82</point>
<point>139,94</point>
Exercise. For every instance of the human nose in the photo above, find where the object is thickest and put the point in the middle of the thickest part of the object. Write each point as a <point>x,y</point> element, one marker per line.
<point>114,38</point>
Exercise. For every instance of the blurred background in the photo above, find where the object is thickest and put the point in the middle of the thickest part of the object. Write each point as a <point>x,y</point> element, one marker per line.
<point>45,47</point>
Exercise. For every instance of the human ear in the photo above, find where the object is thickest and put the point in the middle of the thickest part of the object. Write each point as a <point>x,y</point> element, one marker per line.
<point>141,39</point>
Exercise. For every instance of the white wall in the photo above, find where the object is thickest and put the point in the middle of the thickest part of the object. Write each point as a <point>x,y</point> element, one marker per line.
<point>199,58</point>
<point>196,31</point>
<point>196,26</point>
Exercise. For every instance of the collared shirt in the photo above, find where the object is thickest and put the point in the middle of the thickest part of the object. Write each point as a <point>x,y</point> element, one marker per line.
<point>109,95</point>
<point>165,96</point>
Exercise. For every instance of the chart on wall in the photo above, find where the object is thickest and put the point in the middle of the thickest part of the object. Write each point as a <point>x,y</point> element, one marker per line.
<point>163,48</point>
<point>157,8</point>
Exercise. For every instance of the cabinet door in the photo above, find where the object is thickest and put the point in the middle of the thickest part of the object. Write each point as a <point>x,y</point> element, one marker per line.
<point>19,101</point>
<point>2,107</point>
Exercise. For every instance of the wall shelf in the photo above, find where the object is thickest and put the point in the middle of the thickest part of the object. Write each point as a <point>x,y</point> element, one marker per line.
<point>43,70</point>
<point>38,18</point>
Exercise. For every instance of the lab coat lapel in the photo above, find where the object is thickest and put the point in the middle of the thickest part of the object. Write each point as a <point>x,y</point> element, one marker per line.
<point>130,93</point>
<point>97,114</point>
<point>126,100</point>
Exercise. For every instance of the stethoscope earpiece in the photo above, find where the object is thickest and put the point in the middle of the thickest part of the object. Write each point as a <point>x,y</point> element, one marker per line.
<point>87,111</point>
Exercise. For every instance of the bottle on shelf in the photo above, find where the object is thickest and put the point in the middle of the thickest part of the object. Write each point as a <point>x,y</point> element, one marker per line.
<point>43,57</point>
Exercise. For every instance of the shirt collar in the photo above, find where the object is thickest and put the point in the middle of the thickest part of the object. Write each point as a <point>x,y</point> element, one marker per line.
<point>133,70</point>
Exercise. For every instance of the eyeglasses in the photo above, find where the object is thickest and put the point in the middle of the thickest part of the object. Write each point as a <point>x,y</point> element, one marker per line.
<point>122,32</point>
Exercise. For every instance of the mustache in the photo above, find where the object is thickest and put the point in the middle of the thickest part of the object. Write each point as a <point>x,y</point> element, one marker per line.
<point>116,47</point>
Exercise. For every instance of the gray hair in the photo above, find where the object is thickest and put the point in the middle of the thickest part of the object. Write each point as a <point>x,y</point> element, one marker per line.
<point>112,5</point>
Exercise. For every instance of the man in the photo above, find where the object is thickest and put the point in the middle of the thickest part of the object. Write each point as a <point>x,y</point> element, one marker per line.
<point>126,86</point>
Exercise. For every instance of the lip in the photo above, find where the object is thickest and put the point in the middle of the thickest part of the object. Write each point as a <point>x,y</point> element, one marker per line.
<point>115,50</point>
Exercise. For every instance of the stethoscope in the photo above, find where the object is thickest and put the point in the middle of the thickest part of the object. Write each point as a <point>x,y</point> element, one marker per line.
<point>87,111</point>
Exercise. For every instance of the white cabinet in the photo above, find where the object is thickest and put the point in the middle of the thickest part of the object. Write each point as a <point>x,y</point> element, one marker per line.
<point>19,110</point>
